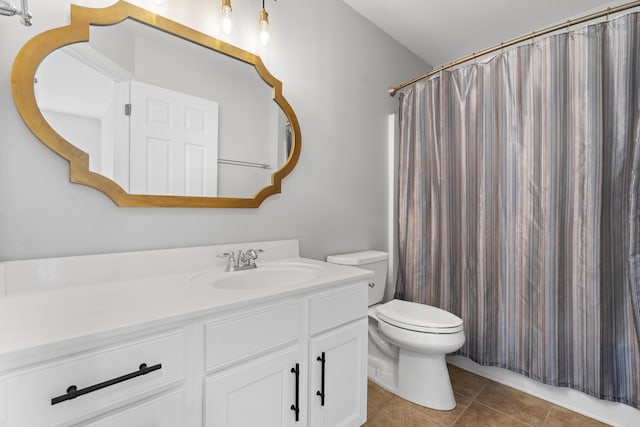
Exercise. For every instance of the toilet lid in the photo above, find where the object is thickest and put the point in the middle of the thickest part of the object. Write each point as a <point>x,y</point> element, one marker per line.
<point>419,317</point>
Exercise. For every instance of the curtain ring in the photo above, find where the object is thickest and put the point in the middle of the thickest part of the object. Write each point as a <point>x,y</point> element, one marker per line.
<point>569,22</point>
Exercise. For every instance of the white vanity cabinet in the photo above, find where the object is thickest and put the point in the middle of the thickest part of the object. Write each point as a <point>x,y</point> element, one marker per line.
<point>170,350</point>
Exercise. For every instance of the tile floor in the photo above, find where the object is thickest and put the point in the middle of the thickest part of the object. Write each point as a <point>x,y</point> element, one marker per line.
<point>481,403</point>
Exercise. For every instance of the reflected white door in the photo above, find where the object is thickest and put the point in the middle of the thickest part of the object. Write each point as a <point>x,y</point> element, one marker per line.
<point>174,143</point>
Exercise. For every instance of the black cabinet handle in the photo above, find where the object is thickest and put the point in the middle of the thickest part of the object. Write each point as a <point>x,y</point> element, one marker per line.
<point>296,407</point>
<point>320,392</point>
<point>73,392</point>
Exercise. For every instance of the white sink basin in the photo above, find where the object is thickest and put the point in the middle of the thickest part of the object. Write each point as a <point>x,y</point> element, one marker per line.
<point>266,276</point>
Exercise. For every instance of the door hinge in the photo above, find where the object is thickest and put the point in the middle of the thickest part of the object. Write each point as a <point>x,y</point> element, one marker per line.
<point>127,109</point>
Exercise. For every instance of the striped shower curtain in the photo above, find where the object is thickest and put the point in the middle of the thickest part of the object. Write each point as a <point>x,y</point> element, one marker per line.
<point>519,193</point>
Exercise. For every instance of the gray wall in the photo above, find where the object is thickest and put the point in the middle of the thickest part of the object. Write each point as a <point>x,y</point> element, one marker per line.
<point>336,68</point>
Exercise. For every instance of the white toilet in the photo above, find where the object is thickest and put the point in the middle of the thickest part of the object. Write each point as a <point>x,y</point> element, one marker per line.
<point>407,341</point>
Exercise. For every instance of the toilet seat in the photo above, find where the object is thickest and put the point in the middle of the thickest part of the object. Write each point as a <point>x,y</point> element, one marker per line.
<point>419,317</point>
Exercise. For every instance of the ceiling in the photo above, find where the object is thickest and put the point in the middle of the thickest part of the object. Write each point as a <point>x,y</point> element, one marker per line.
<point>441,31</point>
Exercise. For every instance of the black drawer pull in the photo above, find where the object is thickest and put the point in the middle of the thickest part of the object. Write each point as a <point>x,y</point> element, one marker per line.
<point>296,407</point>
<point>320,392</point>
<point>73,392</point>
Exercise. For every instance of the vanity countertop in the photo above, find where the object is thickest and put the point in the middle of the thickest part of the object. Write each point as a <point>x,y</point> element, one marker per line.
<point>35,320</point>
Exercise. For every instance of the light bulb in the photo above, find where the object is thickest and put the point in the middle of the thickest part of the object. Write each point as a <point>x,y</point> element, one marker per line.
<point>264,27</point>
<point>226,16</point>
<point>160,2</point>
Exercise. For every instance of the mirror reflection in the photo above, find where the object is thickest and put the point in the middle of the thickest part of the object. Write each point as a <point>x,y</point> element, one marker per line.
<point>160,115</point>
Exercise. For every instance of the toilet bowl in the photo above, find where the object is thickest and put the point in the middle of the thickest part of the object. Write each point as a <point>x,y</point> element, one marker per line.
<point>407,341</point>
<point>423,335</point>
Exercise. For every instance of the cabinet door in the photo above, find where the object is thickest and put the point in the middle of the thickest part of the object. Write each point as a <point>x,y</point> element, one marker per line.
<point>258,393</point>
<point>343,381</point>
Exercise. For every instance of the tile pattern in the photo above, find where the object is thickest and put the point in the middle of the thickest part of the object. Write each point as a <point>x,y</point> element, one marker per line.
<point>480,402</point>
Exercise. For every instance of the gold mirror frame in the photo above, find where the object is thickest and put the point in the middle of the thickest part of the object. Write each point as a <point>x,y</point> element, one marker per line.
<point>36,49</point>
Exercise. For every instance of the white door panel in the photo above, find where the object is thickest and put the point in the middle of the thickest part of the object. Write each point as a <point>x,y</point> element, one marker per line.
<point>174,143</point>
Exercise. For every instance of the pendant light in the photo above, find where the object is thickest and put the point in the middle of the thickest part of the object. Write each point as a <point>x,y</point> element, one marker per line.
<point>263,26</point>
<point>226,16</point>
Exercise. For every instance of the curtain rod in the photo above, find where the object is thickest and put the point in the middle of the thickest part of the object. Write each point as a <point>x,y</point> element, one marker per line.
<point>569,23</point>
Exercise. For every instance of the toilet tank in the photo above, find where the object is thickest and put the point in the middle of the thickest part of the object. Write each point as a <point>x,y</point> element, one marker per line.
<point>375,261</point>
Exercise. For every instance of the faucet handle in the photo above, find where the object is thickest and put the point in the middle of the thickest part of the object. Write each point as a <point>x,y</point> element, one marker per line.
<point>253,253</point>
<point>231,259</point>
<point>252,256</point>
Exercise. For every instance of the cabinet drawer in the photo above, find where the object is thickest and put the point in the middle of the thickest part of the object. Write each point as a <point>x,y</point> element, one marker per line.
<point>337,307</point>
<point>29,393</point>
<point>163,411</point>
<point>250,334</point>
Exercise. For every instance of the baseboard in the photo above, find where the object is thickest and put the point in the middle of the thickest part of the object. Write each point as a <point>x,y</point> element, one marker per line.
<point>613,413</point>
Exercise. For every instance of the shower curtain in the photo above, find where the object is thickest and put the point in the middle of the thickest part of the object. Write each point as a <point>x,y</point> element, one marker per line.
<point>518,208</point>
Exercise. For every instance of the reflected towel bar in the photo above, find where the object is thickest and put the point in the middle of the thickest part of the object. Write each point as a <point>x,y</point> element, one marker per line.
<point>243,163</point>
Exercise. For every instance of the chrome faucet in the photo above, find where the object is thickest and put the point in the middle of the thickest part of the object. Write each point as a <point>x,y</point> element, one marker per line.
<point>243,261</point>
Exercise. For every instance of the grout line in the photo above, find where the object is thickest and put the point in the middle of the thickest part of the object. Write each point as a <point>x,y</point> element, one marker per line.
<point>482,389</point>
<point>463,411</point>
<point>502,413</point>
<point>473,399</point>
<point>544,423</point>
<point>546,420</point>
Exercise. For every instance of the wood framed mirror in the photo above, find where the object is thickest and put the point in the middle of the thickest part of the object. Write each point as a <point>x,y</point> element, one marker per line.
<point>154,113</point>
